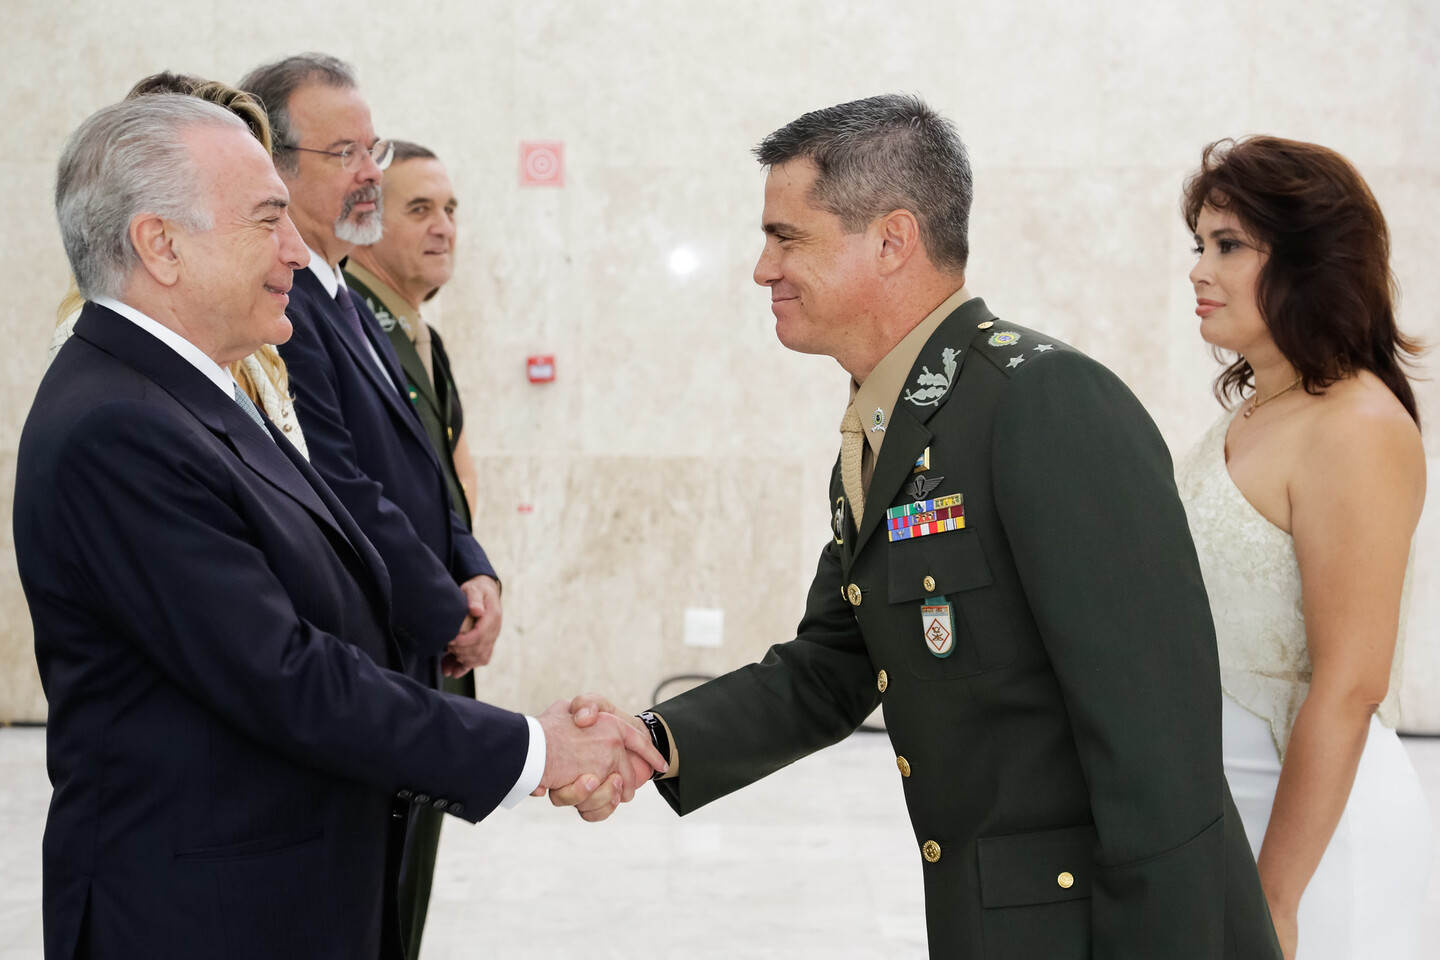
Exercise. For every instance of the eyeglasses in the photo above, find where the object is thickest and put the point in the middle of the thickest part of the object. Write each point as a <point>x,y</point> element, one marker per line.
<point>354,154</point>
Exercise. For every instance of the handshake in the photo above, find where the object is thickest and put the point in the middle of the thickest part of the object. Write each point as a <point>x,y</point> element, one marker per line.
<point>595,757</point>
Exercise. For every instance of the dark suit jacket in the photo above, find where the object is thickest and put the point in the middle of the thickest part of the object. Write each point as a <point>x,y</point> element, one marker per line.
<point>225,743</point>
<point>1073,726</point>
<point>367,442</point>
<point>436,401</point>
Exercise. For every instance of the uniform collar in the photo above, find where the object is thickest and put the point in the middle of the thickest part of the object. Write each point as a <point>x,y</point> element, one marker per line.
<point>874,400</point>
<point>397,306</point>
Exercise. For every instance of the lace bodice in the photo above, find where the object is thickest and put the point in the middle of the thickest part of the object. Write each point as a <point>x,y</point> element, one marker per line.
<point>1253,581</point>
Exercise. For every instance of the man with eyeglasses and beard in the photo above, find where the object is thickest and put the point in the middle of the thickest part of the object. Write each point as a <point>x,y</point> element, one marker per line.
<point>351,397</point>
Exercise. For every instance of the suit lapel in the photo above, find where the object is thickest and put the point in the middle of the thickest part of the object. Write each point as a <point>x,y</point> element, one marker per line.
<point>406,350</point>
<point>383,348</point>
<point>192,390</point>
<point>930,385</point>
<point>347,527</point>
<point>332,310</point>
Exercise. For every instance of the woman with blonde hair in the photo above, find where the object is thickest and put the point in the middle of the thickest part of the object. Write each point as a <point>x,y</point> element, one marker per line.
<point>1303,500</point>
<point>262,374</point>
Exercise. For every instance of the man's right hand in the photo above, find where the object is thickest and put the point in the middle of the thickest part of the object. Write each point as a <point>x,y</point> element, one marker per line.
<point>595,798</point>
<point>604,750</point>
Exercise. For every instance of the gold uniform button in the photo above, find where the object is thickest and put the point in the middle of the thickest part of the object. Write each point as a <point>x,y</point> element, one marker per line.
<point>987,324</point>
<point>1066,880</point>
<point>928,583</point>
<point>931,851</point>
<point>852,593</point>
<point>904,766</point>
<point>881,681</point>
<point>449,433</point>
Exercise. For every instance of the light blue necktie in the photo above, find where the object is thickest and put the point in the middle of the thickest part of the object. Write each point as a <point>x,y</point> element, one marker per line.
<point>249,408</point>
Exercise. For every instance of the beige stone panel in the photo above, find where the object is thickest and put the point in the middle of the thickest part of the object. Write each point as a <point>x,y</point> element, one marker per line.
<point>1027,89</point>
<point>32,263</point>
<point>608,75</point>
<point>1085,255</point>
<point>1333,72</point>
<point>861,49</point>
<point>1419,705</point>
<point>1421,146</point>
<point>21,698</point>
<point>598,576</point>
<point>63,60</point>
<point>688,362</point>
<point>1409,199</point>
<point>516,294</point>
<point>1170,82</point>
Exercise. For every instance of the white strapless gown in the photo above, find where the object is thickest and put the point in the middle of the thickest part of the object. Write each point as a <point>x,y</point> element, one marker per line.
<point>1366,899</point>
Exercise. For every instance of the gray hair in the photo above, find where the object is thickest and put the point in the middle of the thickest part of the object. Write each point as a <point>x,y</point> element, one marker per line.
<point>128,159</point>
<point>881,154</point>
<point>275,83</point>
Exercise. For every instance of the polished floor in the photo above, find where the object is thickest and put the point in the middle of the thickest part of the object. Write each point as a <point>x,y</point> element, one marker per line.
<point>816,862</point>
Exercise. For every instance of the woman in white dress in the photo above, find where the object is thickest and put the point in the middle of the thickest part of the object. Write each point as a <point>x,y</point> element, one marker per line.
<point>1303,500</point>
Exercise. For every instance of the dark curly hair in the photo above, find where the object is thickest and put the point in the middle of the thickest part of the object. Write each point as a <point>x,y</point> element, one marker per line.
<point>1326,290</point>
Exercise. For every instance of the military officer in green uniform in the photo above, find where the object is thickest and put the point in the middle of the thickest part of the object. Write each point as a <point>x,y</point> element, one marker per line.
<point>1009,573</point>
<point>410,263</point>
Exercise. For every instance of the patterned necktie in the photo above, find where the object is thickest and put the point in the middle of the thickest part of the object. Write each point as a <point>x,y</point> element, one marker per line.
<point>852,448</point>
<point>249,408</point>
<point>346,300</point>
<point>352,316</point>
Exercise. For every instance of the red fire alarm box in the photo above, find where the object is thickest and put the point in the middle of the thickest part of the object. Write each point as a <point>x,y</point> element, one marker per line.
<point>540,368</point>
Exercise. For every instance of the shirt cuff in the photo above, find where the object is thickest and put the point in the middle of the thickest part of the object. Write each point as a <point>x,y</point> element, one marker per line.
<point>534,767</point>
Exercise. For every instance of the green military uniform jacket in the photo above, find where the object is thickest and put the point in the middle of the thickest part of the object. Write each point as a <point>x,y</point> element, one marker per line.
<point>1061,761</point>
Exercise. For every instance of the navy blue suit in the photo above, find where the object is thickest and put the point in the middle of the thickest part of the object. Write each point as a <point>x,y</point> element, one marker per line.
<point>368,443</point>
<point>226,746</point>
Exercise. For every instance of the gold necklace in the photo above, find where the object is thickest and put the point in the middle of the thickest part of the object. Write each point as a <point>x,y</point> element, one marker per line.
<point>1256,404</point>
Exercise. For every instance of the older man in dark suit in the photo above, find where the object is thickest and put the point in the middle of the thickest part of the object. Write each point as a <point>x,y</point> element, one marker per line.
<point>232,761</point>
<point>1009,572</point>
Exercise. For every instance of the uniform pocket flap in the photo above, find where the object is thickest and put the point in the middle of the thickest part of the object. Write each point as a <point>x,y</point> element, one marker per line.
<point>1044,867</point>
<point>938,564</point>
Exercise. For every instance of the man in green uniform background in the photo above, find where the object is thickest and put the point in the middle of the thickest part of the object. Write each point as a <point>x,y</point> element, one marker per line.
<point>413,259</point>
<point>1009,572</point>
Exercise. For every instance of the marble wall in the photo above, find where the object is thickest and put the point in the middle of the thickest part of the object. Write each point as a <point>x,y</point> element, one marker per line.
<point>679,459</point>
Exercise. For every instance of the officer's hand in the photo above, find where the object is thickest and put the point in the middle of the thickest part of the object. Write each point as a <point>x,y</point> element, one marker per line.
<point>586,709</point>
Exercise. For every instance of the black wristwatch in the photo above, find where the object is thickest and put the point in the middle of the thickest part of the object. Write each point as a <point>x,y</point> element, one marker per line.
<point>658,737</point>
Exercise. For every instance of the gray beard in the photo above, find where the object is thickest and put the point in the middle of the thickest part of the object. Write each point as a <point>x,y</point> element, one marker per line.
<point>367,230</point>
<point>360,234</point>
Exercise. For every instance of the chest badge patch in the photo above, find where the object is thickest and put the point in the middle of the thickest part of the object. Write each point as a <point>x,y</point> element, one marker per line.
<point>921,486</point>
<point>839,521</point>
<point>937,626</point>
<point>926,517</point>
<point>934,386</point>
